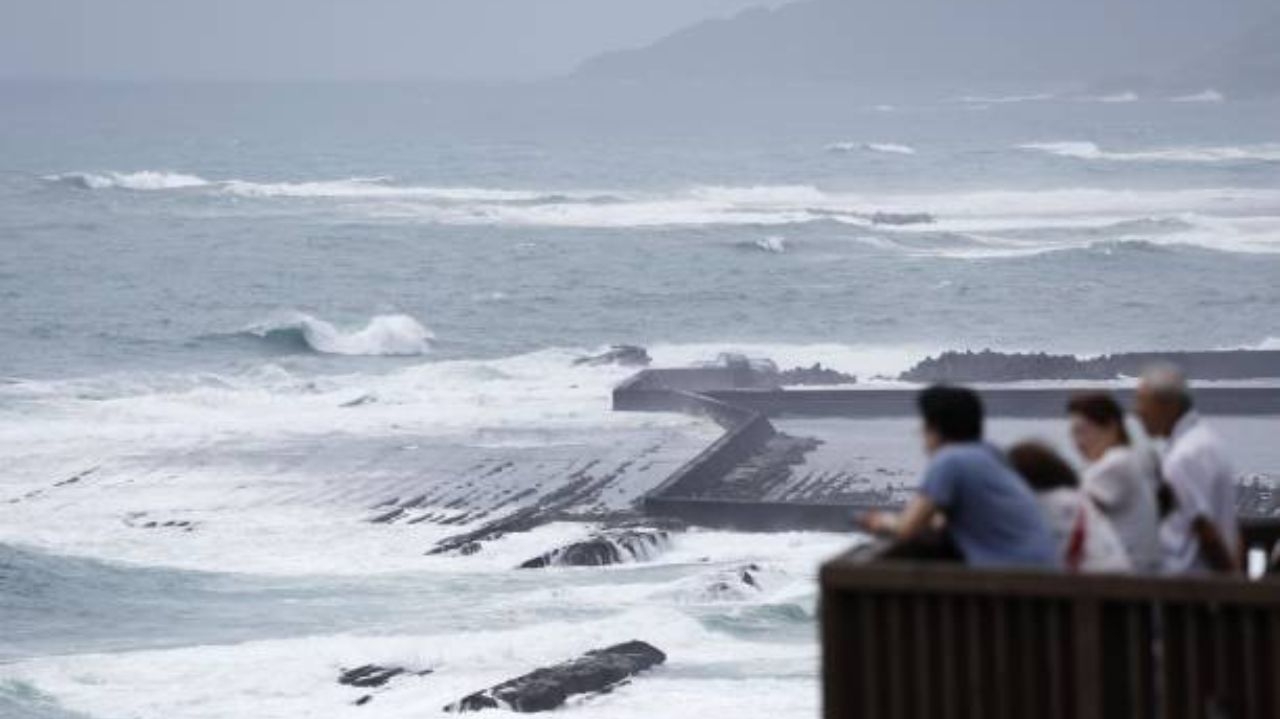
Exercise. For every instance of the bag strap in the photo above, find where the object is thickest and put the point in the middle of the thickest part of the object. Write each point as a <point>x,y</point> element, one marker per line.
<point>1076,541</point>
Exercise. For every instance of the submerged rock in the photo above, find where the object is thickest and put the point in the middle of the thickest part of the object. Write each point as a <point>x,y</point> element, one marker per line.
<point>622,355</point>
<point>734,585</point>
<point>547,688</point>
<point>372,675</point>
<point>612,546</point>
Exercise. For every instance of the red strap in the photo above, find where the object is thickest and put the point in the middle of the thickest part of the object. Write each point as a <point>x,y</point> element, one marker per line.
<point>1075,544</point>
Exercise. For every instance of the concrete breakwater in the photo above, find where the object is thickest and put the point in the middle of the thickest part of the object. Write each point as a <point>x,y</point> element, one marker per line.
<point>752,478</point>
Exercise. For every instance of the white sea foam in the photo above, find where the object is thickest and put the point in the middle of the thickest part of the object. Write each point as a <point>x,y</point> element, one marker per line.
<point>1115,98</point>
<point>980,219</point>
<point>1005,99</point>
<point>378,188</point>
<point>384,335</point>
<point>887,148</point>
<point>1210,96</point>
<point>773,244</point>
<point>1265,152</point>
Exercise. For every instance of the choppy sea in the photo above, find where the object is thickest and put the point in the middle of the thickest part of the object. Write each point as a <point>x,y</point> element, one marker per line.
<point>245,307</point>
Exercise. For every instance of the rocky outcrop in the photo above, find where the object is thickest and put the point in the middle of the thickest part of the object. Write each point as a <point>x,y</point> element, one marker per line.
<point>612,546</point>
<point>815,375</point>
<point>622,355</point>
<point>988,366</point>
<point>547,688</point>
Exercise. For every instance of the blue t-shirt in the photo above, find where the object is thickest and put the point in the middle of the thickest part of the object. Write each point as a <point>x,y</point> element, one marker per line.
<point>992,514</point>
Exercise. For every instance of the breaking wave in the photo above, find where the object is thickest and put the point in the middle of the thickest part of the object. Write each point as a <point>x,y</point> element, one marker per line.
<point>1231,219</point>
<point>144,180</point>
<point>1266,152</point>
<point>395,335</point>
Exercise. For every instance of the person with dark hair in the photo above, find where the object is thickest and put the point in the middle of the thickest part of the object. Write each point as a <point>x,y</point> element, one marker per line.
<point>989,513</point>
<point>1085,539</point>
<point>1120,480</point>
<point>1202,533</point>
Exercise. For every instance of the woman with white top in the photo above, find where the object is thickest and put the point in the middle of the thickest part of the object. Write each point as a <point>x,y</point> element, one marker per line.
<point>1086,540</point>
<point>1120,480</point>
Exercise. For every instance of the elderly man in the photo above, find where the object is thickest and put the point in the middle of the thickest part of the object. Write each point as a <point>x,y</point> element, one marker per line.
<point>1201,532</point>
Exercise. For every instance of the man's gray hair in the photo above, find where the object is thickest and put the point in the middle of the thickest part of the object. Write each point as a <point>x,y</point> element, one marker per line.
<point>1167,381</point>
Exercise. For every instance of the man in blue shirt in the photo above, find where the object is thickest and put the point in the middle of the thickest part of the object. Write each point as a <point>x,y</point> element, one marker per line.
<point>990,513</point>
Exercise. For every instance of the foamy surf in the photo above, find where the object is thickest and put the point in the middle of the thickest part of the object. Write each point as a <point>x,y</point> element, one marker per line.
<point>884,148</point>
<point>1265,152</point>
<point>955,223</point>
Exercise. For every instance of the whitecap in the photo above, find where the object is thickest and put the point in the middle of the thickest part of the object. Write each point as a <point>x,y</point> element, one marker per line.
<point>888,148</point>
<point>1210,96</point>
<point>143,180</point>
<point>384,335</point>
<point>1264,152</point>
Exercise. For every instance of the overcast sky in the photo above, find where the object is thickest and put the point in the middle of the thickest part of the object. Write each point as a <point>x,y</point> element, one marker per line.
<point>329,39</point>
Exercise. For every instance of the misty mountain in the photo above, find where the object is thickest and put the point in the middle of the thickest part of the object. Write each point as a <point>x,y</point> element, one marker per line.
<point>949,46</point>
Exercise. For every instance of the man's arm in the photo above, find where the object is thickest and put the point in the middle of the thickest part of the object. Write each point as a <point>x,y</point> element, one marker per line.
<point>908,524</point>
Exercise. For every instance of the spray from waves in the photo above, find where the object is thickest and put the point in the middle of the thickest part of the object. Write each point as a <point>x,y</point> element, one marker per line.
<point>144,180</point>
<point>395,335</point>
<point>884,148</point>
<point>1265,152</point>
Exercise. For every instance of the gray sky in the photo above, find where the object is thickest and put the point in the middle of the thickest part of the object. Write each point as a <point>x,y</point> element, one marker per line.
<point>329,39</point>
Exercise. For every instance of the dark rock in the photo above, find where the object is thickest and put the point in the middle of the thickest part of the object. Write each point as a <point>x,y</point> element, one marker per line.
<point>469,548</point>
<point>988,366</point>
<point>623,355</point>
<point>740,584</point>
<point>388,517</point>
<point>612,546</point>
<point>547,688</point>
<point>364,700</point>
<point>369,675</point>
<point>815,375</point>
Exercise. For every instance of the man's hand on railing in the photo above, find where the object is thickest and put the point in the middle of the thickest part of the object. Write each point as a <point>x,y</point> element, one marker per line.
<point>919,516</point>
<point>879,523</point>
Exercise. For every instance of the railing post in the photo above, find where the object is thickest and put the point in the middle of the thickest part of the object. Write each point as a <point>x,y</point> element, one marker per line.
<point>1086,626</point>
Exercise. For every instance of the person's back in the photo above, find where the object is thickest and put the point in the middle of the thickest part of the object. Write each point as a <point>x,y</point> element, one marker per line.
<point>1123,484</point>
<point>992,516</point>
<point>1197,469</point>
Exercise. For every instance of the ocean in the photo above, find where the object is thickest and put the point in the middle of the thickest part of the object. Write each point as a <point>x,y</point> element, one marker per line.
<point>239,317</point>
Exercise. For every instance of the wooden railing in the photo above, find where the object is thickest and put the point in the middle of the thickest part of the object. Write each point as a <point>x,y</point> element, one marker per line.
<point>920,639</point>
